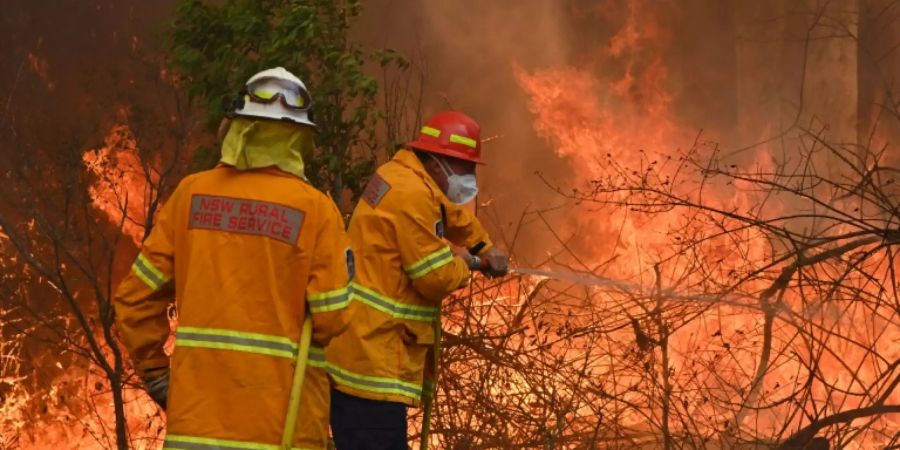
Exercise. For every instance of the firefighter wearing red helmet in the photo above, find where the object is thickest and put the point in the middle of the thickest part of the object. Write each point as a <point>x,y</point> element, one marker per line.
<point>384,360</point>
<point>452,134</point>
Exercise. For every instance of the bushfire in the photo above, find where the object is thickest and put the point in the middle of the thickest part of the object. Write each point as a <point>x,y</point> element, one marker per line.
<point>680,218</point>
<point>756,302</point>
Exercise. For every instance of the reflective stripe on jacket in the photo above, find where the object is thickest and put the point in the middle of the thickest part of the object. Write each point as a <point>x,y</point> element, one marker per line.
<point>244,254</point>
<point>404,268</point>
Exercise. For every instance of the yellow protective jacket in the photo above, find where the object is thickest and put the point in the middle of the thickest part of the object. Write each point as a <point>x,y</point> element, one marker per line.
<point>404,268</point>
<point>246,255</point>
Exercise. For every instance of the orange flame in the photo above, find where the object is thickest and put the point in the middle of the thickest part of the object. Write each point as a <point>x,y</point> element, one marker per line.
<point>124,183</point>
<point>595,121</point>
<point>75,410</point>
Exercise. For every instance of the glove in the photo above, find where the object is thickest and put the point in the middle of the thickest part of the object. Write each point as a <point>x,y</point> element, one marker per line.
<point>497,263</point>
<point>158,388</point>
<point>472,262</point>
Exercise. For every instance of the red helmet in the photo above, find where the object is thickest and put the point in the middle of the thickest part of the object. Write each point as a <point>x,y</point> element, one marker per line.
<point>451,133</point>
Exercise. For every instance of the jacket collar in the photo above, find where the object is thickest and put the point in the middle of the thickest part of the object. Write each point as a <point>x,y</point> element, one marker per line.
<point>407,158</point>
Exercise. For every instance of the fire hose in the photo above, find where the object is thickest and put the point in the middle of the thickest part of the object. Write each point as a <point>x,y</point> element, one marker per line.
<point>479,264</point>
<point>290,420</point>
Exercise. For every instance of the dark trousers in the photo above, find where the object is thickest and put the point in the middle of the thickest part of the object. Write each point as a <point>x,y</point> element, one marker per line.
<point>362,424</point>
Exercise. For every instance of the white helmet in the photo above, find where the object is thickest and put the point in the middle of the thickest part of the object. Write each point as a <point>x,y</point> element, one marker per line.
<point>275,94</point>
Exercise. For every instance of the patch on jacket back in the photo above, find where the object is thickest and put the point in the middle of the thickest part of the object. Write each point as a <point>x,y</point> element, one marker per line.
<point>375,190</point>
<point>237,215</point>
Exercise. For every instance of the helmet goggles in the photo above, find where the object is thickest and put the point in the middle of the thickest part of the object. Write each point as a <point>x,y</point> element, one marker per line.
<point>268,90</point>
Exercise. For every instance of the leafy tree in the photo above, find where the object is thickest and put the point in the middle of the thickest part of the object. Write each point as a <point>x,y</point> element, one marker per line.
<point>217,47</point>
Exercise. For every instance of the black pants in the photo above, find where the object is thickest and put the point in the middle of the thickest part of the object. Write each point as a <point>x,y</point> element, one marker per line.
<point>361,424</point>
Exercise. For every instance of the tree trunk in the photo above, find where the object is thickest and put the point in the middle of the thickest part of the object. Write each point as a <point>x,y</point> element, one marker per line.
<point>115,383</point>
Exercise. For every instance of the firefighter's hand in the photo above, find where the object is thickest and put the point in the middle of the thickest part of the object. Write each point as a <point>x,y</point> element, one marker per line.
<point>158,388</point>
<point>497,263</point>
<point>471,261</point>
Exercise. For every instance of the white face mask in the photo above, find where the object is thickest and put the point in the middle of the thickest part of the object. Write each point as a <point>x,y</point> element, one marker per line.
<point>461,189</point>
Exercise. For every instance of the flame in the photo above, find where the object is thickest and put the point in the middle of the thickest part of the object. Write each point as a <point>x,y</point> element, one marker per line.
<point>75,409</point>
<point>76,412</point>
<point>593,121</point>
<point>608,125</point>
<point>124,183</point>
<point>614,116</point>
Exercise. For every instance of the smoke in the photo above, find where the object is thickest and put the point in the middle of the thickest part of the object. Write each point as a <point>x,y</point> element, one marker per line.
<point>522,67</point>
<point>659,72</point>
<point>67,72</point>
<point>732,69</point>
<point>470,53</point>
<point>557,86</point>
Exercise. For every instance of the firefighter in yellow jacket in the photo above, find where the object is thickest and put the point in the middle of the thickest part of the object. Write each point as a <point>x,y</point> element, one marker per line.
<point>248,250</point>
<point>404,268</point>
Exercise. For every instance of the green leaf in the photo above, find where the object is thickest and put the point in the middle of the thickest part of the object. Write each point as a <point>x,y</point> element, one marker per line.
<point>216,46</point>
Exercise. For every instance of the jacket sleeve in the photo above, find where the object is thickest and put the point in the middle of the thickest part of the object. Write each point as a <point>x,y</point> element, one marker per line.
<point>327,292</point>
<point>464,229</point>
<point>427,259</point>
<point>144,295</point>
